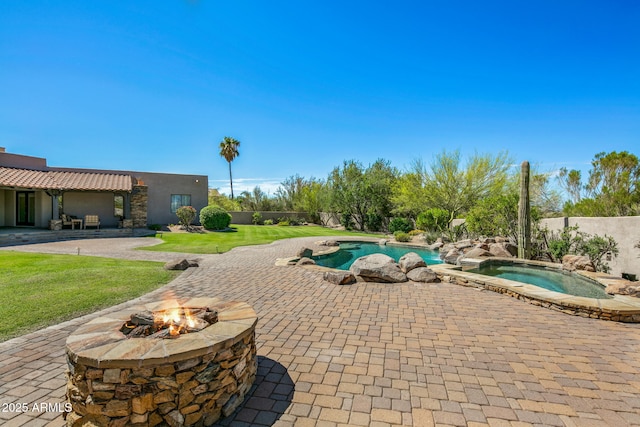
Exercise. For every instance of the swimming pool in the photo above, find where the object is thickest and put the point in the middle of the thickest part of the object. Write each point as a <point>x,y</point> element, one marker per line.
<point>553,280</point>
<point>351,251</point>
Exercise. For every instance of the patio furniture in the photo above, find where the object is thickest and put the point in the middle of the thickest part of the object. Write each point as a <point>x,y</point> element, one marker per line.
<point>91,221</point>
<point>75,222</point>
<point>67,220</point>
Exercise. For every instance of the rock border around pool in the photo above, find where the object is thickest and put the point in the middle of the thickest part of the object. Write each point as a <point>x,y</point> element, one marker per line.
<point>618,309</point>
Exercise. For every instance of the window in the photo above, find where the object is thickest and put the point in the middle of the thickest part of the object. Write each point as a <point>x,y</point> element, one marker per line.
<point>118,205</point>
<point>178,200</point>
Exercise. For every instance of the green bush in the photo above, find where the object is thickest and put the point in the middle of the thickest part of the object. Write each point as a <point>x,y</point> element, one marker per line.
<point>268,222</point>
<point>256,218</point>
<point>416,232</point>
<point>155,227</point>
<point>214,218</point>
<point>434,219</point>
<point>293,220</point>
<point>401,236</point>
<point>373,221</point>
<point>186,215</point>
<point>346,220</point>
<point>400,224</point>
<point>284,222</point>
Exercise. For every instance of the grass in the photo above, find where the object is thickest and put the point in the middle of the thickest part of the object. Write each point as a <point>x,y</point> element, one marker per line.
<point>218,242</point>
<point>38,290</point>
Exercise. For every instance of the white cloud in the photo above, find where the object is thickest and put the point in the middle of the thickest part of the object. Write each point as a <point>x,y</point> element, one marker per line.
<point>268,185</point>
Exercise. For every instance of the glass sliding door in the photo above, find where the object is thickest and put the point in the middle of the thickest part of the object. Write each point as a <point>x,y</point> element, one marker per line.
<point>26,208</point>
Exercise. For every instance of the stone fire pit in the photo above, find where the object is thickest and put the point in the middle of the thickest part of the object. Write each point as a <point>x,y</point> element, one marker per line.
<point>192,379</point>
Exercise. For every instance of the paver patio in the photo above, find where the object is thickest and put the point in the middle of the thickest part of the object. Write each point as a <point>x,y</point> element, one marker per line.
<point>375,354</point>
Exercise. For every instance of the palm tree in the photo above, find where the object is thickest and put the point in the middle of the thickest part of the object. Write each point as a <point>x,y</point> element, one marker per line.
<point>229,150</point>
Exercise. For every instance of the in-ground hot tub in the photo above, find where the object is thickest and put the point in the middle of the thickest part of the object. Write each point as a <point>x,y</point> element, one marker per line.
<point>187,379</point>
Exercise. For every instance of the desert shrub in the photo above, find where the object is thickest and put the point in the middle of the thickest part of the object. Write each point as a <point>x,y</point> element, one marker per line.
<point>434,219</point>
<point>256,218</point>
<point>373,221</point>
<point>415,232</point>
<point>346,220</point>
<point>268,222</point>
<point>284,223</point>
<point>401,236</point>
<point>400,224</point>
<point>214,218</point>
<point>572,241</point>
<point>430,237</point>
<point>186,215</point>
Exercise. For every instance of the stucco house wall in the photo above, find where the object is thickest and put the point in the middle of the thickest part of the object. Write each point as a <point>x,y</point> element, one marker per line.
<point>160,188</point>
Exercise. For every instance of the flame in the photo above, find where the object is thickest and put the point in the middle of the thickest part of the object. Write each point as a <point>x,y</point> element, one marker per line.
<point>177,319</point>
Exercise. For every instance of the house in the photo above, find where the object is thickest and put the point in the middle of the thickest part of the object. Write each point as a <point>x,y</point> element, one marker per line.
<point>33,194</point>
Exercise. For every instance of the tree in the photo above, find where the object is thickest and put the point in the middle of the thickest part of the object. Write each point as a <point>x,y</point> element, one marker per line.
<point>229,150</point>
<point>448,185</point>
<point>613,187</point>
<point>357,193</point>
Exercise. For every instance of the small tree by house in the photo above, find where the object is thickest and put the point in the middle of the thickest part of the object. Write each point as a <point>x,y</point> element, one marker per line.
<point>186,215</point>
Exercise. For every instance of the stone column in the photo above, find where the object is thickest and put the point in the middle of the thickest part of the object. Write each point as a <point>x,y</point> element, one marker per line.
<point>139,199</point>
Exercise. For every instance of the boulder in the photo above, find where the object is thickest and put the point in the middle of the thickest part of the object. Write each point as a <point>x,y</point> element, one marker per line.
<point>623,288</point>
<point>463,244</point>
<point>329,243</point>
<point>177,264</point>
<point>423,274</point>
<point>305,261</point>
<point>339,277</point>
<point>378,268</point>
<point>503,249</point>
<point>488,240</point>
<point>452,256</point>
<point>305,253</point>
<point>193,263</point>
<point>477,252</point>
<point>577,262</point>
<point>383,242</point>
<point>410,261</point>
<point>435,246</point>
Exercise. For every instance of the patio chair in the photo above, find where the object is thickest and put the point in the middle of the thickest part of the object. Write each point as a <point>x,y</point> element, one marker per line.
<point>91,221</point>
<point>66,220</point>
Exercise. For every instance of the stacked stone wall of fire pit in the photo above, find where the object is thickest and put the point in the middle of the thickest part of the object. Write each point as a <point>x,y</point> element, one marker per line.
<point>191,380</point>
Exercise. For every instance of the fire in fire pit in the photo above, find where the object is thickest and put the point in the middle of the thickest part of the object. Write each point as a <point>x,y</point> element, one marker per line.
<point>168,323</point>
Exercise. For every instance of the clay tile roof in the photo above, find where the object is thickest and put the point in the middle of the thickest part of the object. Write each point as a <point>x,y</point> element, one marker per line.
<point>26,178</point>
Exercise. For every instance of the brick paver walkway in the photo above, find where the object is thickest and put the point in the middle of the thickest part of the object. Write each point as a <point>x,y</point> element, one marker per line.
<point>380,354</point>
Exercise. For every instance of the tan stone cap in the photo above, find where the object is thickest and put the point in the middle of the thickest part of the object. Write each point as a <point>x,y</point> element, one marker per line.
<point>100,344</point>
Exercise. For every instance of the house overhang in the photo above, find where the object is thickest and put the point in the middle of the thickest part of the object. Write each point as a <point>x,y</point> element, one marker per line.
<point>56,181</point>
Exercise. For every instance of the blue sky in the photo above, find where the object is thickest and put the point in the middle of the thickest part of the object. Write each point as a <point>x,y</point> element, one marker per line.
<point>155,86</point>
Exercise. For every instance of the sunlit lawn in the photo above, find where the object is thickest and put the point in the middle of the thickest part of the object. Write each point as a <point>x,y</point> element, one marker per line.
<point>38,290</point>
<point>218,242</point>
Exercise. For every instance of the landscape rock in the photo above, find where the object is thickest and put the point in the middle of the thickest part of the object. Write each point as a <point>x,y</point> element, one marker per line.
<point>452,256</point>
<point>382,242</point>
<point>305,253</point>
<point>378,268</point>
<point>410,261</point>
<point>423,274</point>
<point>177,264</point>
<point>306,261</point>
<point>624,288</point>
<point>435,246</point>
<point>463,244</point>
<point>503,249</point>
<point>329,243</point>
<point>339,277</point>
<point>478,252</point>
<point>577,262</point>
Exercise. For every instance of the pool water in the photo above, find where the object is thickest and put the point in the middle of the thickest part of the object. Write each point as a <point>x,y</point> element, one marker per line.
<point>557,281</point>
<point>349,252</point>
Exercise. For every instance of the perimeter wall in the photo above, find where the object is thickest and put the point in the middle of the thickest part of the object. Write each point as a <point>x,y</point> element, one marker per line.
<point>624,229</point>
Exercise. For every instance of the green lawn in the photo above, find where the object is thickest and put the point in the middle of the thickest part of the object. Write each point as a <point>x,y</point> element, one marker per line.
<point>218,242</point>
<point>38,290</point>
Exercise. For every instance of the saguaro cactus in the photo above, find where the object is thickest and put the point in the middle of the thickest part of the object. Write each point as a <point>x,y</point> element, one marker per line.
<point>524,214</point>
